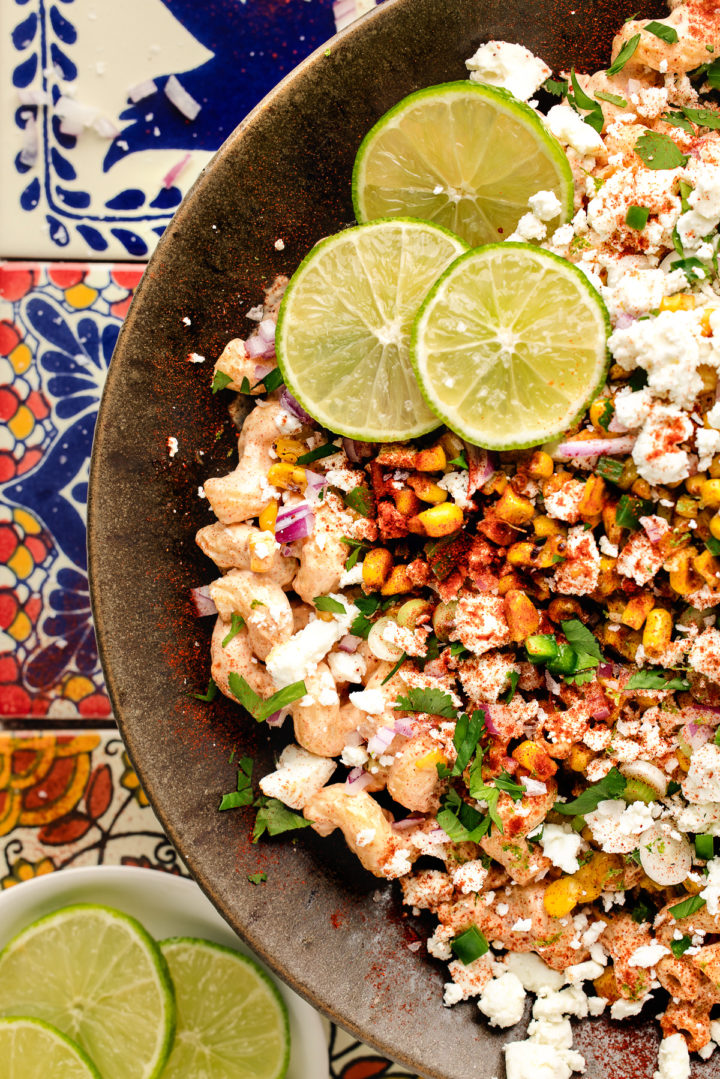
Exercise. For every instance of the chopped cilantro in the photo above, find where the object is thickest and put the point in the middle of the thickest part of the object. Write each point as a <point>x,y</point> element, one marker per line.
<point>236,624</point>
<point>612,786</point>
<point>693,268</point>
<point>703,117</point>
<point>490,793</point>
<point>242,795</point>
<point>368,606</point>
<point>256,603</point>
<point>580,100</point>
<point>637,217</point>
<point>274,818</point>
<point>664,32</point>
<point>465,739</point>
<point>612,99</point>
<point>220,381</point>
<point>582,640</point>
<point>257,878</point>
<point>607,414</point>
<point>245,386</point>
<point>676,119</point>
<point>327,603</point>
<point>673,787</point>
<point>469,945</point>
<point>630,510</point>
<point>658,151</point>
<point>457,648</point>
<point>713,545</point>
<point>272,380</point>
<point>356,547</point>
<point>624,55</point>
<point>688,906</point>
<point>638,379</point>
<point>359,499</point>
<point>704,846</point>
<point>556,87</point>
<point>433,701</point>
<point>460,461</point>
<point>255,705</point>
<point>647,679</point>
<point>395,669</point>
<point>513,678</point>
<point>210,693</point>
<point>642,912</point>
<point>460,821</point>
<point>316,454</point>
<point>679,947</point>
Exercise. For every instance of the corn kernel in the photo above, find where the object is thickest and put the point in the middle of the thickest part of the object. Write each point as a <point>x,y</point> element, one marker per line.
<point>641,488</point>
<point>657,632</point>
<point>564,607</point>
<point>545,526</point>
<point>377,566</point>
<point>552,552</point>
<point>613,530</point>
<point>268,517</point>
<point>406,502</point>
<point>680,574</point>
<point>507,582</point>
<point>715,527</point>
<point>262,548</point>
<point>426,490</point>
<point>580,757</point>
<point>432,459</point>
<point>681,301</point>
<point>710,493</point>
<point>694,483</point>
<point>705,321</point>
<point>521,615</point>
<point>561,896</point>
<point>441,520</point>
<point>593,498</point>
<point>288,477</point>
<point>609,578</point>
<point>714,469</point>
<point>397,583</point>
<point>708,568</point>
<point>637,610</point>
<point>541,466</point>
<point>606,986</point>
<point>521,554</point>
<point>535,760</point>
<point>597,411</point>
<point>496,484</point>
<point>688,507</point>
<point>514,509</point>
<point>430,760</point>
<point>289,449</point>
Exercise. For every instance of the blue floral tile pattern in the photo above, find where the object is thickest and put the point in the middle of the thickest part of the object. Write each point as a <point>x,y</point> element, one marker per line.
<point>88,171</point>
<point>58,328</point>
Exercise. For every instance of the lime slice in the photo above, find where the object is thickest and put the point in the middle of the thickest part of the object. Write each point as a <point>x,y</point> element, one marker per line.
<point>96,975</point>
<point>31,1049</point>
<point>463,155</point>
<point>343,334</point>
<point>510,345</point>
<point>232,1022</point>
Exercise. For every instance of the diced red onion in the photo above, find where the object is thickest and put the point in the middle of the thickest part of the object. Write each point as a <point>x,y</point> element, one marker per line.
<point>289,403</point>
<point>489,722</point>
<point>30,141</point>
<point>256,346</point>
<point>357,781</point>
<point>605,670</point>
<point>278,718</point>
<point>405,726</point>
<point>184,102</point>
<point>481,466</point>
<point>653,530</point>
<point>695,734</point>
<point>263,369</point>
<point>203,601</point>
<point>602,713</point>
<point>288,514</point>
<point>297,529</point>
<point>593,447</point>
<point>407,822</point>
<point>356,450</point>
<point>623,321</point>
<point>266,329</point>
<point>315,480</point>
<point>381,740</point>
<point>141,90</point>
<point>286,550</point>
<point>172,174</point>
<point>349,643</point>
<point>552,685</point>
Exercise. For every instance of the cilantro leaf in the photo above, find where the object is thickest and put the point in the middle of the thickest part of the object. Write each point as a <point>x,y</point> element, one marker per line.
<point>664,32</point>
<point>460,461</point>
<point>580,100</point>
<point>647,679</point>
<point>210,694</point>
<point>220,381</point>
<point>556,87</point>
<point>658,151</point>
<point>236,624</point>
<point>272,380</point>
<point>582,640</point>
<point>713,545</point>
<point>433,701</point>
<point>356,546</point>
<point>607,414</point>
<point>255,705</point>
<point>490,793</point>
<point>687,907</point>
<point>676,119</point>
<point>679,947</point>
<point>327,603</point>
<point>368,606</point>
<point>465,739</point>
<point>703,117</point>
<point>361,500</point>
<point>274,818</point>
<point>694,269</point>
<point>610,787</point>
<point>461,822</point>
<point>513,678</point>
<point>257,878</point>
<point>316,454</point>
<point>612,99</point>
<point>685,191</point>
<point>242,795</point>
<point>624,55</point>
<point>395,669</point>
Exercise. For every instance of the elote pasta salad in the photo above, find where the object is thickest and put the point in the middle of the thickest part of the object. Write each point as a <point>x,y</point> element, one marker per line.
<point>493,638</point>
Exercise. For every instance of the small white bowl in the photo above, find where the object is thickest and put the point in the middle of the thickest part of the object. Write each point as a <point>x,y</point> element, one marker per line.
<point>168,906</point>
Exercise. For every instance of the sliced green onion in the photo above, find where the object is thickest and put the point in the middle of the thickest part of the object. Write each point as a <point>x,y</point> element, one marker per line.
<point>637,217</point>
<point>610,468</point>
<point>704,847</point>
<point>630,510</point>
<point>541,647</point>
<point>470,945</point>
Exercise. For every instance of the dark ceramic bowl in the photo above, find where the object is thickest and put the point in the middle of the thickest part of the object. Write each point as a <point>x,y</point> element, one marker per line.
<point>334,933</point>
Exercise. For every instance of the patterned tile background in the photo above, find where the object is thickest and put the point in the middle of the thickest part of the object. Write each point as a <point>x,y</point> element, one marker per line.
<point>91,175</point>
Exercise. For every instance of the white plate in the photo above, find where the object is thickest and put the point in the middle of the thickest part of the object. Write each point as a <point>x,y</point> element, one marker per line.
<point>168,906</point>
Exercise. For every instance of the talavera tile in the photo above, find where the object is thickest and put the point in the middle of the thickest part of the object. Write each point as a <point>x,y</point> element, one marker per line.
<point>102,192</point>
<point>58,326</point>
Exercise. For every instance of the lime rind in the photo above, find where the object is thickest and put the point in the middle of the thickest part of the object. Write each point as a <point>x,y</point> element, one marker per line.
<point>72,1052</point>
<point>585,292</point>
<point>245,966</point>
<point>354,395</point>
<point>164,1030</point>
<point>426,169</point>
